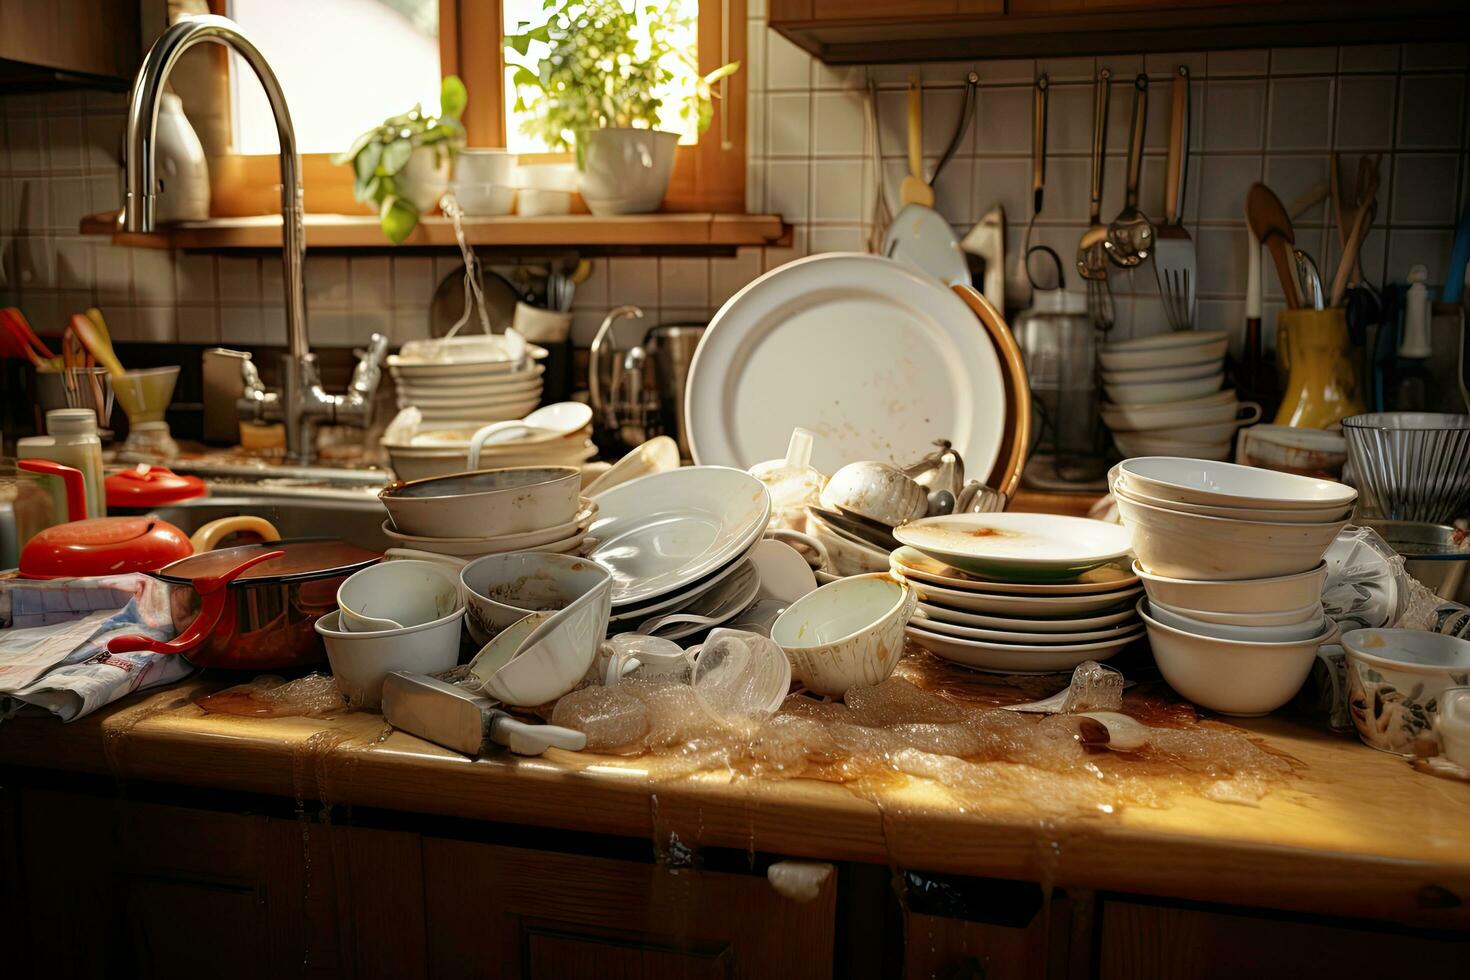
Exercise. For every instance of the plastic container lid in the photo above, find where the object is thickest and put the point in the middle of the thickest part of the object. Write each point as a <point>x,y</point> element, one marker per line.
<point>71,421</point>
<point>146,486</point>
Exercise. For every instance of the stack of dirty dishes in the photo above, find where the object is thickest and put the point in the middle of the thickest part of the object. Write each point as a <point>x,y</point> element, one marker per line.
<point>1164,397</point>
<point>482,378</point>
<point>553,435</point>
<point>678,544</point>
<point>1019,593</point>
<point>397,615</point>
<point>468,515</point>
<point>1232,560</point>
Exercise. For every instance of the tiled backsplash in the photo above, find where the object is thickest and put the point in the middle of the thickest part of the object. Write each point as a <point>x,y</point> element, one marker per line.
<point>1273,115</point>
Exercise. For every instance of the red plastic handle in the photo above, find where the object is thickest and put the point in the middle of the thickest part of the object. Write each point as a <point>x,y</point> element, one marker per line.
<point>71,479</point>
<point>215,612</point>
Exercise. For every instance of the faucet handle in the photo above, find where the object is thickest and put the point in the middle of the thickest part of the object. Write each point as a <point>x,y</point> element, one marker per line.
<point>368,372</point>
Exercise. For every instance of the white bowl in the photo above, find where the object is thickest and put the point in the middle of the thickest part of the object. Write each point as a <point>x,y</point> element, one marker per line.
<point>494,544</point>
<point>488,502</point>
<point>1231,676</point>
<point>846,633</point>
<point>410,593</point>
<point>1157,442</point>
<point>484,200</point>
<point>484,165</point>
<point>1231,485</point>
<point>1395,681</point>
<point>1453,725</point>
<point>1176,372</point>
<point>1309,613</point>
<point>360,661</point>
<point>1163,391</point>
<point>1163,350</point>
<point>1224,631</point>
<point>1194,546</point>
<point>522,670</point>
<point>848,557</point>
<point>1121,486</point>
<point>1221,408</point>
<point>1263,596</point>
<point>502,589</point>
<point>1309,452</point>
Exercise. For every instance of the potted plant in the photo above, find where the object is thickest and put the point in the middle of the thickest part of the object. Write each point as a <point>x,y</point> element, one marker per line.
<point>597,92</point>
<point>401,168</point>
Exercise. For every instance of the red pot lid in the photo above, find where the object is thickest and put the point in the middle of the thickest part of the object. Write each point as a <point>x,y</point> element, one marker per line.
<point>103,546</point>
<point>146,486</point>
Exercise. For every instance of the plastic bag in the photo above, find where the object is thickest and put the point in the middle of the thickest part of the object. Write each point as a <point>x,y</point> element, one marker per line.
<point>1367,586</point>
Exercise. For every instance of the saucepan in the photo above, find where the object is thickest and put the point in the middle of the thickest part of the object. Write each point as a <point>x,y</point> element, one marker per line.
<point>255,606</point>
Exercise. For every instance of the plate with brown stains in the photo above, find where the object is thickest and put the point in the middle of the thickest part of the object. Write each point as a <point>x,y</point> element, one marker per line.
<point>1025,547</point>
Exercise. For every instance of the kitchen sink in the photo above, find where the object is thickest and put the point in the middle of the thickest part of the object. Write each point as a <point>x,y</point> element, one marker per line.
<point>356,519</point>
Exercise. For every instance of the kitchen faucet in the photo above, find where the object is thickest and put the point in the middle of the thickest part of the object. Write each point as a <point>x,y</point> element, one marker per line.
<point>302,404</point>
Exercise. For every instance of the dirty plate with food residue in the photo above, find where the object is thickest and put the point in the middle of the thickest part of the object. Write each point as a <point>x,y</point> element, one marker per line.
<point>1017,546</point>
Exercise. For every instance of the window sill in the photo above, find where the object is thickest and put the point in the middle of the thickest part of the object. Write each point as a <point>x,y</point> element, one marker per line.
<point>682,232</point>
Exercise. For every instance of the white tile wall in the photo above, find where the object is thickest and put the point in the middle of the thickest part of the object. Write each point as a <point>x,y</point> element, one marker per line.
<point>1260,114</point>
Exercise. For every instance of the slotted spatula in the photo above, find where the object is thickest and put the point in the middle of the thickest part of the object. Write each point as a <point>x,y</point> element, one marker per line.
<point>1174,253</point>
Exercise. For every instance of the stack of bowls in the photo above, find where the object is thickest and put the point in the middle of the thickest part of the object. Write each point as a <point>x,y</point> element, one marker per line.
<point>1231,559</point>
<point>469,515</point>
<point>475,379</point>
<point>1018,593</point>
<point>418,451</point>
<point>1163,395</point>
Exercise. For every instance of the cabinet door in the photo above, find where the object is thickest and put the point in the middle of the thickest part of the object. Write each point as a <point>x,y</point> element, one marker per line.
<point>92,37</point>
<point>511,912</point>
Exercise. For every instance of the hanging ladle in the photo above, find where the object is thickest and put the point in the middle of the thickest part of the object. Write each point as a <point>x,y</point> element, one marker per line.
<point>1131,234</point>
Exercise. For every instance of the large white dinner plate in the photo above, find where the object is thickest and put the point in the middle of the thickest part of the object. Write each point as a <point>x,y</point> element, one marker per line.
<point>1029,546</point>
<point>630,616</point>
<point>1033,606</point>
<point>1008,658</point>
<point>1031,625</point>
<point>921,237</point>
<point>913,564</point>
<point>877,359</point>
<point>661,532</point>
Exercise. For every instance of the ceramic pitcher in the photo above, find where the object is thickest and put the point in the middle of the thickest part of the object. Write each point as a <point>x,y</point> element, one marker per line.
<point>1322,385</point>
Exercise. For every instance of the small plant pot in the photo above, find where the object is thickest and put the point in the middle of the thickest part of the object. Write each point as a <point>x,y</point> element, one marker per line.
<point>424,178</point>
<point>627,171</point>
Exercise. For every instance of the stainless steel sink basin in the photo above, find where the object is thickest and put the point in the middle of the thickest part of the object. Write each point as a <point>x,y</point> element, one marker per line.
<point>355,519</point>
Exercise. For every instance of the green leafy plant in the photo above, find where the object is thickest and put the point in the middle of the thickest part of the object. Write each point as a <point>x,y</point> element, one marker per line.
<point>605,66</point>
<point>379,155</point>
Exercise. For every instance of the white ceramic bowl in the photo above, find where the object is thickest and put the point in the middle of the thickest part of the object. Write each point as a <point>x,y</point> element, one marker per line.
<point>1194,546</point>
<point>1230,485</point>
<point>1153,392</point>
<point>486,502</point>
<point>1221,408</point>
<point>484,199</point>
<point>1163,350</point>
<point>1453,725</point>
<point>1310,613</point>
<point>1231,676</point>
<point>474,547</point>
<point>523,671</point>
<point>360,661</point>
<point>1395,681</point>
<point>502,589</point>
<point>1224,631</point>
<point>1309,452</point>
<point>1282,515</point>
<point>847,557</point>
<point>410,593</point>
<point>1264,596</point>
<point>1157,442</point>
<point>846,633</point>
<point>1175,372</point>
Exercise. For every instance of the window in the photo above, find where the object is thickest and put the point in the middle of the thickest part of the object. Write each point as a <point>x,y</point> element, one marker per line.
<point>345,65</point>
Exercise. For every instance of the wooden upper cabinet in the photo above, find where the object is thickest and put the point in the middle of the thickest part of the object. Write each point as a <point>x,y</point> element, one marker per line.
<point>865,31</point>
<point>95,38</point>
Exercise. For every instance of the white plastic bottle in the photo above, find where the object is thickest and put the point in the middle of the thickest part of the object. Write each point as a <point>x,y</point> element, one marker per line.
<point>72,440</point>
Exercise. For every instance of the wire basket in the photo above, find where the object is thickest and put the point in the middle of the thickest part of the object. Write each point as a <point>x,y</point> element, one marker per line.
<point>1411,466</point>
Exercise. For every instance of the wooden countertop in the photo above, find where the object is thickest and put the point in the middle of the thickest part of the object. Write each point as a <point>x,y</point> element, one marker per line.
<point>1356,833</point>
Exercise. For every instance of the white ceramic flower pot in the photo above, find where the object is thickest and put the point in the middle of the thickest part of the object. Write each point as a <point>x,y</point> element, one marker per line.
<point>424,178</point>
<point>627,171</point>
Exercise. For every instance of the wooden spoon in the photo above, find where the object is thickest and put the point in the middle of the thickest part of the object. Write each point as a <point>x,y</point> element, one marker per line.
<point>915,189</point>
<point>1271,225</point>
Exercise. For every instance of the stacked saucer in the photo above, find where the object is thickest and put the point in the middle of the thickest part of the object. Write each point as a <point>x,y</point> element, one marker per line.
<point>1039,593</point>
<point>679,543</point>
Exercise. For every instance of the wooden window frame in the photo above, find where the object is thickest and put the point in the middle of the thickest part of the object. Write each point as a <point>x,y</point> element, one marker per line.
<point>708,176</point>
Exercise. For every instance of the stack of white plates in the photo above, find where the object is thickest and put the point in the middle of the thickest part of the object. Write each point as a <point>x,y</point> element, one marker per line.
<point>441,448</point>
<point>1164,395</point>
<point>678,543</point>
<point>567,537</point>
<point>467,379</point>
<point>1039,593</point>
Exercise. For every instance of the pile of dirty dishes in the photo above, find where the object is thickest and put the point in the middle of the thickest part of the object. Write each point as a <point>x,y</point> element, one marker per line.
<point>679,545</point>
<point>485,512</point>
<point>1164,395</point>
<point>484,378</point>
<point>1019,593</point>
<point>553,435</point>
<point>1232,560</point>
<point>398,615</point>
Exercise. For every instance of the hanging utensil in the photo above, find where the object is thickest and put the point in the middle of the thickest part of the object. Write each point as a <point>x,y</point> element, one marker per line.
<point>873,149</point>
<point>1092,255</point>
<point>915,189</point>
<point>1018,287</point>
<point>1309,279</point>
<point>1131,235</point>
<point>1366,207</point>
<point>1174,251</point>
<point>1268,220</point>
<point>961,126</point>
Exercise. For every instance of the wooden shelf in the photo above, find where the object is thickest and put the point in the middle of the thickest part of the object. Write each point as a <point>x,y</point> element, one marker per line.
<point>674,232</point>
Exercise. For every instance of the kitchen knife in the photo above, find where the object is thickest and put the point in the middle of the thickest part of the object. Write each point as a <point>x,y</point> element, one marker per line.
<point>446,715</point>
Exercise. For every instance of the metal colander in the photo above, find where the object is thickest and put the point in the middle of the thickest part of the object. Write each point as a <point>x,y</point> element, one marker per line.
<point>1411,466</point>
